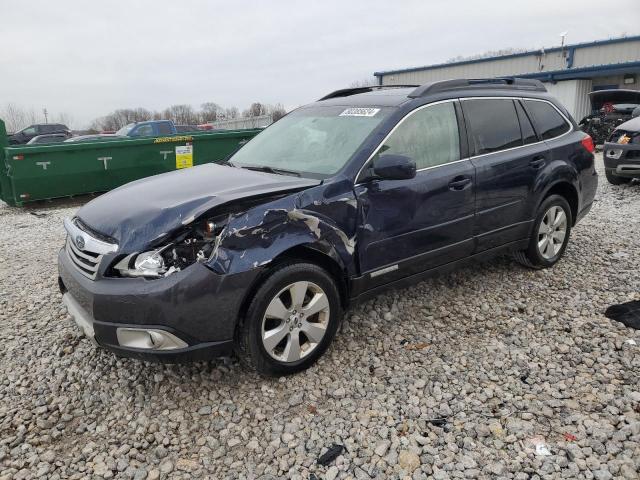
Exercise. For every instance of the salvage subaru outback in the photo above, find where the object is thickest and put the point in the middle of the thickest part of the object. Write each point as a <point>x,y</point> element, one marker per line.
<point>365,189</point>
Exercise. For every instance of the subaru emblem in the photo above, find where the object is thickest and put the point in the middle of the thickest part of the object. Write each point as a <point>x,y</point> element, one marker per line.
<point>80,242</point>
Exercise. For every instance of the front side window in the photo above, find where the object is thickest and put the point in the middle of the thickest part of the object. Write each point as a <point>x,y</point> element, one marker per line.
<point>493,124</point>
<point>29,131</point>
<point>143,131</point>
<point>429,136</point>
<point>548,121</point>
<point>126,129</point>
<point>315,141</point>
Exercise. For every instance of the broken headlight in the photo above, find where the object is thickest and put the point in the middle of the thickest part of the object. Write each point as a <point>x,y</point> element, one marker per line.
<point>195,244</point>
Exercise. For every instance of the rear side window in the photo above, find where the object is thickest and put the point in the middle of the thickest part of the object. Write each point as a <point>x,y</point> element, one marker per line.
<point>528,134</point>
<point>548,121</point>
<point>164,128</point>
<point>429,136</point>
<point>493,124</point>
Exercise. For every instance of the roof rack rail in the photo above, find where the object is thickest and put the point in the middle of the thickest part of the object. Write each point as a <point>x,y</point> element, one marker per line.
<point>508,83</point>
<point>346,92</point>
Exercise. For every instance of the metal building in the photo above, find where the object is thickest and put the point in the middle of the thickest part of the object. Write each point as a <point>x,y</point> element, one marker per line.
<point>570,72</point>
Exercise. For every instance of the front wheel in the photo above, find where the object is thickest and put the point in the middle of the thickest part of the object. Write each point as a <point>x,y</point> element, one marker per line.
<point>614,179</point>
<point>291,320</point>
<point>550,234</point>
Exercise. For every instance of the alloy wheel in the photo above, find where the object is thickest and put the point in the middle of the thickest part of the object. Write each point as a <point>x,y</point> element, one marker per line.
<point>552,232</point>
<point>295,321</point>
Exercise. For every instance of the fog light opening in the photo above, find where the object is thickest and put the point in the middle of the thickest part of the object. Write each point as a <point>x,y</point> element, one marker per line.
<point>148,339</point>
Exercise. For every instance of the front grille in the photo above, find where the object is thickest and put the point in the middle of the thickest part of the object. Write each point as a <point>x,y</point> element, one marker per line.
<point>86,262</point>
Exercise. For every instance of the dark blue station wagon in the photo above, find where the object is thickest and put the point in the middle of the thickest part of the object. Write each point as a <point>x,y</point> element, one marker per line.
<point>365,189</point>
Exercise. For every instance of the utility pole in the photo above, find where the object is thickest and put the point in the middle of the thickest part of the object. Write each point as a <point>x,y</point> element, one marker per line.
<point>563,36</point>
<point>44,110</point>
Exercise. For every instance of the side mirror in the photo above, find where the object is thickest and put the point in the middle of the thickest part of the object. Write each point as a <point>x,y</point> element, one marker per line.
<point>393,167</point>
<point>636,112</point>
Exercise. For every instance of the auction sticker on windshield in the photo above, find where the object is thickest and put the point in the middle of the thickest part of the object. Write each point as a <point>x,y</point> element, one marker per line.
<point>184,156</point>
<point>360,112</point>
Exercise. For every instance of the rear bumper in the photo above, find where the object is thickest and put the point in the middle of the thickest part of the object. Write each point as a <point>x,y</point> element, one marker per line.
<point>195,306</point>
<point>622,160</point>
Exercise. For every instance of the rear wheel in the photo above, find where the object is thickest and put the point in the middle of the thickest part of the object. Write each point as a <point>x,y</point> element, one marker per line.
<point>614,179</point>
<point>291,320</point>
<point>550,234</point>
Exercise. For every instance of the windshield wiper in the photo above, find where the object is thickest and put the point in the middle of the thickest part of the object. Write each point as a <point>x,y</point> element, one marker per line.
<point>264,168</point>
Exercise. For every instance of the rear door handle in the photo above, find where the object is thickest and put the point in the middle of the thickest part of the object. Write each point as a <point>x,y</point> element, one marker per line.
<point>459,183</point>
<point>538,162</point>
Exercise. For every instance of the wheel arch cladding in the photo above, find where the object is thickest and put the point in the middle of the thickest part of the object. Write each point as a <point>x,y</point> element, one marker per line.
<point>569,193</point>
<point>317,254</point>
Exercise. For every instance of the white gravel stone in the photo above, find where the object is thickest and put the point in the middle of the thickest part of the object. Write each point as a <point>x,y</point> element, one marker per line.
<point>503,353</point>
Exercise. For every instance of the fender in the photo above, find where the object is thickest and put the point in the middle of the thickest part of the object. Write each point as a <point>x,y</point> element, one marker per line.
<point>255,238</point>
<point>557,172</point>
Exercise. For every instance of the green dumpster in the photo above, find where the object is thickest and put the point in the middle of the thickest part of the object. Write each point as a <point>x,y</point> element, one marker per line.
<point>29,173</point>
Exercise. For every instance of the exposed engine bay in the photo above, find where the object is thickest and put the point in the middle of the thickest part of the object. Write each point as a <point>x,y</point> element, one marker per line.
<point>196,243</point>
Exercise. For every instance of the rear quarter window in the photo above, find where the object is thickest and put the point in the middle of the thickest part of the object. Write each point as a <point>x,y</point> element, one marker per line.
<point>547,119</point>
<point>493,124</point>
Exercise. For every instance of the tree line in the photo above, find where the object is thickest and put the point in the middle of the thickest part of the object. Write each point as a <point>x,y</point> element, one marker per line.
<point>185,114</point>
<point>17,118</point>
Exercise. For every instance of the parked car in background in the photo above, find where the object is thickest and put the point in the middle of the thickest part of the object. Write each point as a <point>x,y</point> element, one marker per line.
<point>98,137</point>
<point>149,128</point>
<point>187,128</point>
<point>366,189</point>
<point>48,138</point>
<point>23,136</point>
<point>622,153</point>
<point>609,109</point>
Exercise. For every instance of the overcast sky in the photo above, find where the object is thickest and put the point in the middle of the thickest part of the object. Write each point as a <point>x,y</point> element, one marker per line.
<point>87,58</point>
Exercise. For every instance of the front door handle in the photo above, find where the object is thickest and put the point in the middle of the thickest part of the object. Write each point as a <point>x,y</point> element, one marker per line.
<point>538,162</point>
<point>459,183</point>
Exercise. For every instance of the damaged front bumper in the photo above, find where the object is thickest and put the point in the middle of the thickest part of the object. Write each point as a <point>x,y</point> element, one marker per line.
<point>622,160</point>
<point>190,315</point>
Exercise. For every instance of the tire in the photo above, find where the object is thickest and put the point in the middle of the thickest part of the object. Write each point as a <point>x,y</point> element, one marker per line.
<point>540,254</point>
<point>266,340</point>
<point>614,179</point>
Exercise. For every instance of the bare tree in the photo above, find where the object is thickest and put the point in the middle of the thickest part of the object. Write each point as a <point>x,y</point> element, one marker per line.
<point>490,53</point>
<point>255,110</point>
<point>63,118</point>
<point>277,111</point>
<point>209,112</point>
<point>231,113</point>
<point>367,82</point>
<point>121,117</point>
<point>16,117</point>
<point>181,114</point>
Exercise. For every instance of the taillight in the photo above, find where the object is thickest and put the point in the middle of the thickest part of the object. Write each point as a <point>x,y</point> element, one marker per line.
<point>587,143</point>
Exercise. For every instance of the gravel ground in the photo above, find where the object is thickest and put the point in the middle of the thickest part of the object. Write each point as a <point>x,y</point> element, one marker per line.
<point>494,371</point>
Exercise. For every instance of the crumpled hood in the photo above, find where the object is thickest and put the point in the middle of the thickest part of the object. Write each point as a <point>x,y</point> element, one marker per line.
<point>143,211</point>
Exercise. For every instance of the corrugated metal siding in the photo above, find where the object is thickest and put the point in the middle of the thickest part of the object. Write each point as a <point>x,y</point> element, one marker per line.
<point>607,54</point>
<point>574,95</point>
